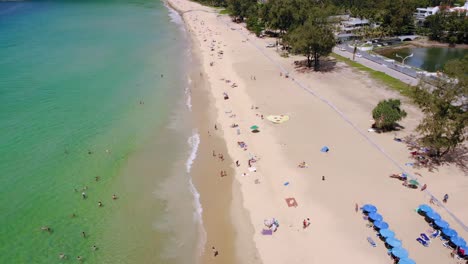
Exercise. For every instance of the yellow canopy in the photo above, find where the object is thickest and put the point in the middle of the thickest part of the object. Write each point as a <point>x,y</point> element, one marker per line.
<point>278,119</point>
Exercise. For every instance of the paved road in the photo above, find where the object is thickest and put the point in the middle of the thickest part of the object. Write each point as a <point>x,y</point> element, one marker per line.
<point>378,67</point>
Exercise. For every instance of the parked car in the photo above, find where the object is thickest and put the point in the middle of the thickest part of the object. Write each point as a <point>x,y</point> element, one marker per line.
<point>271,45</point>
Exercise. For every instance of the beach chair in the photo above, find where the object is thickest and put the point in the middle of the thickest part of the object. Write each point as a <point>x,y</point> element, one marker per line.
<point>422,242</point>
<point>425,237</point>
<point>371,242</point>
<point>435,234</point>
<point>447,245</point>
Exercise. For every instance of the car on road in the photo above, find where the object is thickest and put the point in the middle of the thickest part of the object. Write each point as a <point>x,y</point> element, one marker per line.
<point>271,45</point>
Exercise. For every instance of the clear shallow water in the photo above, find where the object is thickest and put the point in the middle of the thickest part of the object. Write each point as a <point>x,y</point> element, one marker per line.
<point>429,59</point>
<point>81,95</point>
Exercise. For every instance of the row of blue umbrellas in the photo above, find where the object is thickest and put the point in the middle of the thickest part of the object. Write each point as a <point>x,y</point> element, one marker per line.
<point>443,226</point>
<point>387,234</point>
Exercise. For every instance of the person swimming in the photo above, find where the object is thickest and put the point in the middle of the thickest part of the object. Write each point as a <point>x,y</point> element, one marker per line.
<point>46,228</point>
<point>114,197</point>
<point>100,204</point>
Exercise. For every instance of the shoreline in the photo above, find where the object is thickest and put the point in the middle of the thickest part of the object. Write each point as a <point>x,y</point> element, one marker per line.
<point>219,197</point>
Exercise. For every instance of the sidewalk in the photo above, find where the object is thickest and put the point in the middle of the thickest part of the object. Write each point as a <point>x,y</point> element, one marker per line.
<point>378,67</point>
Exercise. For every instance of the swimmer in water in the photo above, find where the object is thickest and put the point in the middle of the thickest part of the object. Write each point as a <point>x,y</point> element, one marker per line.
<point>46,228</point>
<point>114,197</point>
<point>99,204</point>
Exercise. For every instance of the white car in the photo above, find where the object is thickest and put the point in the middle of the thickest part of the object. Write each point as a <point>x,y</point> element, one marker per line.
<point>342,49</point>
<point>358,55</point>
<point>270,45</point>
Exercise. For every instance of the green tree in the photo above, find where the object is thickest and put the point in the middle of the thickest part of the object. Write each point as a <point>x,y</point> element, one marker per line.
<point>240,9</point>
<point>444,104</point>
<point>314,39</point>
<point>280,14</point>
<point>387,113</point>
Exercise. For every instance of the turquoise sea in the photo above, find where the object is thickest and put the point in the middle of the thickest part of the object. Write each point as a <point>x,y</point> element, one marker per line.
<point>95,89</point>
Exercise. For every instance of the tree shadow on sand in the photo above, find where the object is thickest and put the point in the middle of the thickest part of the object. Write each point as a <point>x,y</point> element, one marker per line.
<point>326,65</point>
<point>457,157</point>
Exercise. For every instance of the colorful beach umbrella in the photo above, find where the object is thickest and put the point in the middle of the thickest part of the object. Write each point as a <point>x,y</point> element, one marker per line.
<point>375,216</point>
<point>369,208</point>
<point>254,127</point>
<point>387,233</point>
<point>433,216</point>
<point>399,252</point>
<point>393,242</point>
<point>449,232</point>
<point>425,208</point>
<point>406,261</point>
<point>458,241</point>
<point>441,223</point>
<point>381,224</point>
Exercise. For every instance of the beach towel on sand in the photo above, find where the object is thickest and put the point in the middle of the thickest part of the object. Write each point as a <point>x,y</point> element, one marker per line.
<point>325,149</point>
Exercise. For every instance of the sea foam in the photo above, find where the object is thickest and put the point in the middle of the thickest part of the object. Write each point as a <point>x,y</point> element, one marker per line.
<point>194,142</point>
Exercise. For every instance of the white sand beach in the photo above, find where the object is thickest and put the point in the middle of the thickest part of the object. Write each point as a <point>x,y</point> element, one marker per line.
<point>326,109</point>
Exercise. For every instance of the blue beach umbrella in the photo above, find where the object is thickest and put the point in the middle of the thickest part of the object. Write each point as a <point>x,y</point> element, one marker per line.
<point>449,232</point>
<point>381,224</point>
<point>399,252</point>
<point>433,216</point>
<point>375,216</point>
<point>387,233</point>
<point>393,242</point>
<point>369,208</point>
<point>425,208</point>
<point>406,261</point>
<point>458,241</point>
<point>441,223</point>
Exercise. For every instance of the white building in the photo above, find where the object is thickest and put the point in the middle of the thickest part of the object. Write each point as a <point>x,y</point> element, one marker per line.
<point>422,13</point>
<point>353,24</point>
<point>460,9</point>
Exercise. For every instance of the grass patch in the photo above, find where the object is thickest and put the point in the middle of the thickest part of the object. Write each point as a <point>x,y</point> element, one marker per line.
<point>395,84</point>
<point>224,12</point>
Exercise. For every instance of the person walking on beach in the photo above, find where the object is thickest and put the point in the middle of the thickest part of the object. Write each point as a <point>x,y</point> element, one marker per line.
<point>445,198</point>
<point>215,251</point>
<point>237,163</point>
<point>216,127</point>
<point>356,207</point>
<point>424,187</point>
<point>323,178</point>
